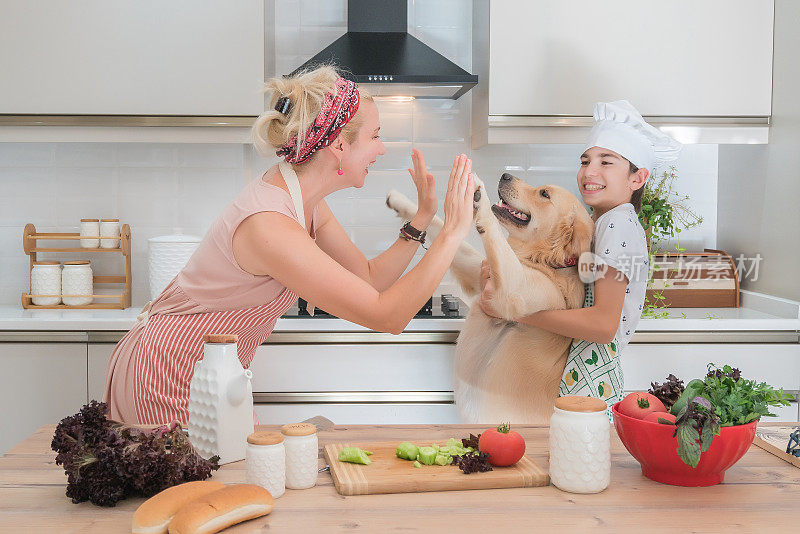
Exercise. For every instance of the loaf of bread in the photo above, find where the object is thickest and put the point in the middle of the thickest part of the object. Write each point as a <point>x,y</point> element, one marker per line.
<point>221,509</point>
<point>154,515</point>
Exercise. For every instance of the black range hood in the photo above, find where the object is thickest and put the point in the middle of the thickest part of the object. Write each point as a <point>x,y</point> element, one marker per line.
<point>378,52</point>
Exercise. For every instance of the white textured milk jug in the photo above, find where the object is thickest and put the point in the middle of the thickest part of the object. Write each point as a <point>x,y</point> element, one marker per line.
<point>220,401</point>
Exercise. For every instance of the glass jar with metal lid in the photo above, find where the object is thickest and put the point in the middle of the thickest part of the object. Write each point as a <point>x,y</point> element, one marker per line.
<point>265,462</point>
<point>302,451</point>
<point>580,439</point>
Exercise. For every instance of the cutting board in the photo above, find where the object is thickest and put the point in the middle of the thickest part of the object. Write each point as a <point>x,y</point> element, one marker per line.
<point>389,474</point>
<point>774,439</point>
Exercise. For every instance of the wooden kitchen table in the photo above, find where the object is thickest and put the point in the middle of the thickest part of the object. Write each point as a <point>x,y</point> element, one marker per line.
<point>761,493</point>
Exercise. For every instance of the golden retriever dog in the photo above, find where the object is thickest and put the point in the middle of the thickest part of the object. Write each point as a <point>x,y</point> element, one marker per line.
<point>505,370</point>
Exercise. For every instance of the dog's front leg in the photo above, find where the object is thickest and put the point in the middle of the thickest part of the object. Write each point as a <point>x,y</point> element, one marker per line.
<point>466,266</point>
<point>508,274</point>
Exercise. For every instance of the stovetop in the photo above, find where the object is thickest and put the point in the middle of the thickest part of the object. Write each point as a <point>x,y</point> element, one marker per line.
<point>440,307</point>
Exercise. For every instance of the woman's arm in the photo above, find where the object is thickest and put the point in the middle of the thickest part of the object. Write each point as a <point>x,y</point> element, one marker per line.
<point>381,271</point>
<point>598,323</point>
<point>275,244</point>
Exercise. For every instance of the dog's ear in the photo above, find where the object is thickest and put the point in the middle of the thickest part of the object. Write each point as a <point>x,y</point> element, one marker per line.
<point>574,235</point>
<point>582,232</point>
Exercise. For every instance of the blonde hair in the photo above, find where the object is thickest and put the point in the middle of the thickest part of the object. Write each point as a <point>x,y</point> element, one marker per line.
<point>306,92</point>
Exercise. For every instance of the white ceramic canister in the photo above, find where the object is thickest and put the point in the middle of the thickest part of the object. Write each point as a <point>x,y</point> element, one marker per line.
<point>580,440</point>
<point>46,280</point>
<point>90,228</point>
<point>302,450</point>
<point>109,228</point>
<point>168,255</point>
<point>220,401</point>
<point>265,462</point>
<point>77,280</point>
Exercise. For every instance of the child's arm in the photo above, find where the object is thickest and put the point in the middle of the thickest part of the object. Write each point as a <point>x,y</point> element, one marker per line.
<point>597,323</point>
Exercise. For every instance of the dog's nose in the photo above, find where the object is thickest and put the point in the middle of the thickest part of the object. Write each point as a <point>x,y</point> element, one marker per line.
<point>506,176</point>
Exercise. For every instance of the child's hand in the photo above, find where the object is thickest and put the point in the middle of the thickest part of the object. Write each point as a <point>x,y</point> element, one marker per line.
<point>487,291</point>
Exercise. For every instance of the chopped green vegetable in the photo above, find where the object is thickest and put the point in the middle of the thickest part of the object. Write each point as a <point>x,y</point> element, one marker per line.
<point>443,459</point>
<point>427,455</point>
<point>407,451</point>
<point>354,455</point>
<point>417,464</point>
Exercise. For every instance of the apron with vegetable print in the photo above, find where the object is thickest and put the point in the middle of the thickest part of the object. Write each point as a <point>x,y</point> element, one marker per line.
<point>593,369</point>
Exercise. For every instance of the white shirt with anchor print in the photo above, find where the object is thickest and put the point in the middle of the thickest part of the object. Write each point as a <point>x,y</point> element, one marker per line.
<point>620,241</point>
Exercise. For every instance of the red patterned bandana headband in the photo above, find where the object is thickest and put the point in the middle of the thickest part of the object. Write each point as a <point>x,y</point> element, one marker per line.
<point>337,110</point>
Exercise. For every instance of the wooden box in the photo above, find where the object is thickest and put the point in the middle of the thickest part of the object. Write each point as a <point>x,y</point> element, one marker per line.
<point>707,279</point>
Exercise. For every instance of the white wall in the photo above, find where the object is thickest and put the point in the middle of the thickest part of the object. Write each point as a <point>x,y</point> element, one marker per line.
<point>759,185</point>
<point>158,187</point>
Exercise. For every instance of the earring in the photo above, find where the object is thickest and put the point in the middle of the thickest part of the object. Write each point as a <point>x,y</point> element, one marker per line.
<point>340,171</point>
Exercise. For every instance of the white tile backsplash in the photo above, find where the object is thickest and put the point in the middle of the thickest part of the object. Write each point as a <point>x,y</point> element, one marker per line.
<point>159,188</point>
<point>214,156</point>
<point>16,155</point>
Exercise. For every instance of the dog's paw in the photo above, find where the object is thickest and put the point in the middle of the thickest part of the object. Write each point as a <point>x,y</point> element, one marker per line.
<point>404,206</point>
<point>482,209</point>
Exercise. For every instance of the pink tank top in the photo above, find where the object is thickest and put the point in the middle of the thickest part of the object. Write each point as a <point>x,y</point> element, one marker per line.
<point>212,280</point>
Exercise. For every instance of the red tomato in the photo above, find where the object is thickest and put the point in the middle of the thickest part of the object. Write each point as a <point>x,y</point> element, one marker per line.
<point>653,417</point>
<point>503,445</point>
<point>638,404</point>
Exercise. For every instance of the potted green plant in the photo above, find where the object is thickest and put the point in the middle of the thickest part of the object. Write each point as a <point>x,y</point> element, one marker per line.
<point>663,215</point>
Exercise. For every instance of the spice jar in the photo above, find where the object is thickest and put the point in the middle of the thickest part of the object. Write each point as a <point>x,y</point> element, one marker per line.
<point>301,445</point>
<point>580,440</point>
<point>265,462</point>
<point>46,280</point>
<point>77,285</point>
<point>91,228</point>
<point>109,228</point>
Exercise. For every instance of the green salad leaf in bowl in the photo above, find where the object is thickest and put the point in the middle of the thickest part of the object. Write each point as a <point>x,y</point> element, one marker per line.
<point>723,398</point>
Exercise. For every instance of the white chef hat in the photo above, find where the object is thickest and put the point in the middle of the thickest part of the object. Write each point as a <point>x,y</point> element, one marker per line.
<point>619,127</point>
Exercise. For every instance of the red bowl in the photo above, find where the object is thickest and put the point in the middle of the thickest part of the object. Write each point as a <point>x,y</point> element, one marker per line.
<point>655,449</point>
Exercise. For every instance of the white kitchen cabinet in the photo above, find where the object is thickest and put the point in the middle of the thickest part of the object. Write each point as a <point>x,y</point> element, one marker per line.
<point>778,364</point>
<point>681,58</point>
<point>354,367</point>
<point>355,383</point>
<point>41,384</point>
<point>97,359</point>
<point>359,414</point>
<point>132,57</point>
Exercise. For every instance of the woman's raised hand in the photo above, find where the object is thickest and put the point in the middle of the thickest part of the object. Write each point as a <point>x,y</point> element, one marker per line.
<point>426,189</point>
<point>458,200</point>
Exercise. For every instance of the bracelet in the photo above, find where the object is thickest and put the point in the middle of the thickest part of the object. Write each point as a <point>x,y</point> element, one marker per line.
<point>409,233</point>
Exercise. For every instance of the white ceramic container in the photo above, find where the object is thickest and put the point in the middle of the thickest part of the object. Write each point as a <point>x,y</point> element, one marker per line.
<point>580,438</point>
<point>220,401</point>
<point>46,280</point>
<point>77,283</point>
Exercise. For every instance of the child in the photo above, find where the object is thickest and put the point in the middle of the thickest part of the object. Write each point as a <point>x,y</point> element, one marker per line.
<point>621,151</point>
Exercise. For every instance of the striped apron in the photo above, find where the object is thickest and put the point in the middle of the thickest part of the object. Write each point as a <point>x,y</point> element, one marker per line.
<point>171,345</point>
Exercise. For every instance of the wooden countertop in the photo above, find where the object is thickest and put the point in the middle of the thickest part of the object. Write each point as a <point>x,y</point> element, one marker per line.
<point>760,493</point>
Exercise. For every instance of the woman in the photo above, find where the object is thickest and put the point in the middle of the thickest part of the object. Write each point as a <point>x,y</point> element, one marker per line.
<point>621,151</point>
<point>278,239</point>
